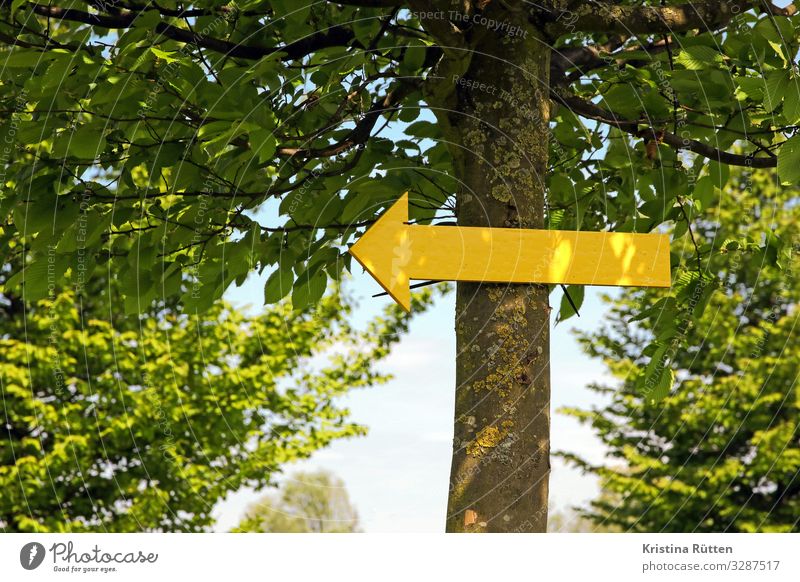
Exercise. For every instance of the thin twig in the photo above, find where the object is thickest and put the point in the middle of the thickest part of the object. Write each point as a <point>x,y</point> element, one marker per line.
<point>691,235</point>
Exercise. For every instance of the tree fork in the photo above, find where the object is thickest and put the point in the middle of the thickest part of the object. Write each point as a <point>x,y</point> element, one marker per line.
<point>498,118</point>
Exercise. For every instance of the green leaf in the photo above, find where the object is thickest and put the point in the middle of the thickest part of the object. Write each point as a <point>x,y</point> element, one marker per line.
<point>662,387</point>
<point>86,142</point>
<point>195,302</point>
<point>701,302</point>
<point>772,250</point>
<point>718,174</point>
<point>279,284</point>
<point>789,161</point>
<point>698,57</point>
<point>704,192</point>
<point>576,292</point>
<point>36,278</point>
<point>264,144</point>
<point>776,83</point>
<point>791,101</point>
<point>356,203</point>
<point>751,87</point>
<point>23,58</point>
<point>422,129</point>
<point>414,57</point>
<point>776,29</point>
<point>164,55</point>
<point>664,307</point>
<point>555,219</point>
<point>731,245</point>
<point>291,10</point>
<point>778,48</point>
<point>308,290</point>
<point>148,19</point>
<point>213,128</point>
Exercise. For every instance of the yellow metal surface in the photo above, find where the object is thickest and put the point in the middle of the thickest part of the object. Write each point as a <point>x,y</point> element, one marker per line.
<point>395,252</point>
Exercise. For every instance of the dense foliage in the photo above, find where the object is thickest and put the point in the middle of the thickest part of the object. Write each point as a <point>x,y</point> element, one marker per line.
<point>721,452</point>
<point>212,139</point>
<point>120,424</point>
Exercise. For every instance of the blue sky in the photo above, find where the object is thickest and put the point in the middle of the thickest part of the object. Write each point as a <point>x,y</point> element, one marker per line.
<point>397,476</point>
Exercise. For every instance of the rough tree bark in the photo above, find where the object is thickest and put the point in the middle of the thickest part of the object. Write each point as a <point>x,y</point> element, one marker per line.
<point>494,105</point>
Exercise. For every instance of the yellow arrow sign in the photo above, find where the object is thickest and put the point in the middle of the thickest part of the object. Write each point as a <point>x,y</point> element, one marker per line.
<point>395,252</point>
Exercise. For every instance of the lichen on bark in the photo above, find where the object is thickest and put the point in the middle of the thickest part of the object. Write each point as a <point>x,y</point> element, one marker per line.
<point>499,143</point>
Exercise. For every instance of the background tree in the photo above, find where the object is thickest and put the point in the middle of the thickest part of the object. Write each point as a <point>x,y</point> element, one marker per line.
<point>309,502</point>
<point>126,424</point>
<point>569,520</point>
<point>213,139</point>
<point>722,451</point>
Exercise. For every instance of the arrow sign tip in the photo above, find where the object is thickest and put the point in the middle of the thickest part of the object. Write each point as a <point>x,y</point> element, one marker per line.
<point>385,252</point>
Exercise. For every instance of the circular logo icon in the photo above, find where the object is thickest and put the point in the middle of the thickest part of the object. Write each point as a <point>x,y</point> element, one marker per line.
<point>31,555</point>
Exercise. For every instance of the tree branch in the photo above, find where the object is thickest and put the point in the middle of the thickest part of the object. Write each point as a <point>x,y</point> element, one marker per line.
<point>334,36</point>
<point>609,17</point>
<point>583,58</point>
<point>362,130</point>
<point>589,110</point>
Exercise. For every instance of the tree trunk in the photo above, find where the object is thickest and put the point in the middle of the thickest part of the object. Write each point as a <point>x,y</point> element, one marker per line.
<point>501,464</point>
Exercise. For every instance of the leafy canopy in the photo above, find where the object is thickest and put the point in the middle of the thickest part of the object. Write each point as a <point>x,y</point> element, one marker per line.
<point>206,140</point>
<point>721,451</point>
